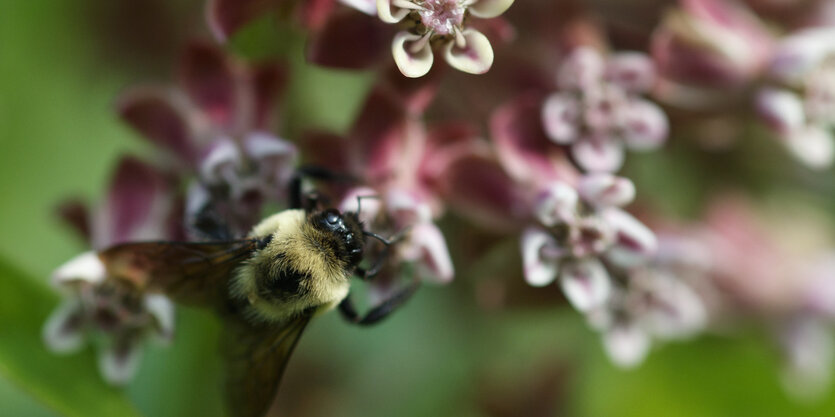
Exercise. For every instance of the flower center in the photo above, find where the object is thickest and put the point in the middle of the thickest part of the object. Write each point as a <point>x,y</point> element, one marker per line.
<point>442,16</point>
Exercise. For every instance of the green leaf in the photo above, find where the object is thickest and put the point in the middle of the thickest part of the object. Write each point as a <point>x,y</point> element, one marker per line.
<point>70,385</point>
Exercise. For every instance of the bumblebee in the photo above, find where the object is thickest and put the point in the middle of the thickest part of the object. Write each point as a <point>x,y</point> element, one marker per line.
<point>293,266</point>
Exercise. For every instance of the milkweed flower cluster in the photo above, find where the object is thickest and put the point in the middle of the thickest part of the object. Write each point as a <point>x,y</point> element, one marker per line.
<point>533,150</point>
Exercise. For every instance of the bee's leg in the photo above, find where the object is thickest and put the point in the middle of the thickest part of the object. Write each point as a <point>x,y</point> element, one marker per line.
<point>298,199</point>
<point>373,316</point>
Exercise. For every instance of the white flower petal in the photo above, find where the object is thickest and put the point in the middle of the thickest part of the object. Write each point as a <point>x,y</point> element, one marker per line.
<point>368,7</point>
<point>798,53</point>
<point>586,284</point>
<point>407,208</point>
<point>582,69</point>
<point>539,272</point>
<point>412,64</point>
<point>634,242</point>
<point>598,154</point>
<point>644,125</point>
<point>556,204</point>
<point>476,57</point>
<point>626,344</point>
<point>677,312</point>
<point>427,246</point>
<point>118,366</point>
<point>560,117</point>
<point>162,309</point>
<point>390,13</point>
<point>364,201</point>
<point>809,350</point>
<point>602,189</point>
<point>782,110</point>
<point>221,159</point>
<point>63,332</point>
<point>86,267</point>
<point>812,145</point>
<point>487,9</point>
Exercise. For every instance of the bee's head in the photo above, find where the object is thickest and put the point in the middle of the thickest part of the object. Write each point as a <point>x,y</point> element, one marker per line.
<point>345,230</point>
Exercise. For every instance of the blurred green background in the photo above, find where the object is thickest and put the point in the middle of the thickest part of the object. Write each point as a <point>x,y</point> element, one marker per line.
<point>60,69</point>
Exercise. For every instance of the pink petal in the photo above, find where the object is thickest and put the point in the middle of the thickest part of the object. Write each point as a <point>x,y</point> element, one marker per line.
<point>135,208</point>
<point>560,116</point>
<point>585,283</point>
<point>208,78</point>
<point>87,268</point>
<point>476,186</point>
<point>378,139</point>
<point>348,40</point>
<point>475,57</point>
<point>406,207</point>
<point>782,110</point>
<point>644,124</point>
<point>626,344</point>
<point>522,146</point>
<point>63,330</point>
<point>633,71</point>
<point>426,245</point>
<point>539,271</point>
<point>634,243</point>
<point>601,154</point>
<point>313,14</point>
<point>416,94</point>
<point>159,118</point>
<point>602,189</point>
<point>226,17</point>
<point>412,54</point>
<point>75,214</point>
<point>269,82</point>
<point>583,68</point>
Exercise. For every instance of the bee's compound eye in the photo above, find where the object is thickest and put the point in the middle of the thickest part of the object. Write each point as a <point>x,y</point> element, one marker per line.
<point>332,216</point>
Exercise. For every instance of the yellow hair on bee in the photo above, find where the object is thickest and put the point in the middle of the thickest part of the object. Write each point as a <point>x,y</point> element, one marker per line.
<point>296,246</point>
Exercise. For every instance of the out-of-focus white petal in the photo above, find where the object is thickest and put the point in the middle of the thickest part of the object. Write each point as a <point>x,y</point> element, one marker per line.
<point>86,267</point>
<point>262,145</point>
<point>411,63</point>
<point>426,245</point>
<point>406,207</point>
<point>598,154</point>
<point>221,159</point>
<point>634,242</point>
<point>539,272</point>
<point>118,366</point>
<point>368,209</point>
<point>63,331</point>
<point>644,124</point>
<point>586,283</point>
<point>782,110</point>
<point>560,117</point>
<point>162,310</point>
<point>476,57</point>
<point>368,7</point>
<point>582,69</point>
<point>487,9</point>
<point>677,312</point>
<point>798,53</point>
<point>634,71</point>
<point>390,13</point>
<point>812,145</point>
<point>626,344</point>
<point>602,189</point>
<point>557,203</point>
<point>809,352</point>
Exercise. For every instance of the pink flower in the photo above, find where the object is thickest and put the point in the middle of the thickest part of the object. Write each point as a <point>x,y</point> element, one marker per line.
<point>598,108</point>
<point>139,206</point>
<point>707,48</point>
<point>578,228</point>
<point>217,127</point>
<point>801,110</point>
<point>441,23</point>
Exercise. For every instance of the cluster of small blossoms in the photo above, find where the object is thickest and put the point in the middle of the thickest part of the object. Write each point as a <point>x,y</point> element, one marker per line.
<point>441,24</point>
<point>140,206</point>
<point>800,109</point>
<point>598,109</point>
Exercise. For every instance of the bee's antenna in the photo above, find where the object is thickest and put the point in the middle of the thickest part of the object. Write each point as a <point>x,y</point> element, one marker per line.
<point>378,237</point>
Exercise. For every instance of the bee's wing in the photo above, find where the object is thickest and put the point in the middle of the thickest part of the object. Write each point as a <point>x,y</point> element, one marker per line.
<point>188,272</point>
<point>255,360</point>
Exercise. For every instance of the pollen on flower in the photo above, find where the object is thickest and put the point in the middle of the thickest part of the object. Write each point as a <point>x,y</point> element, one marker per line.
<point>442,16</point>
